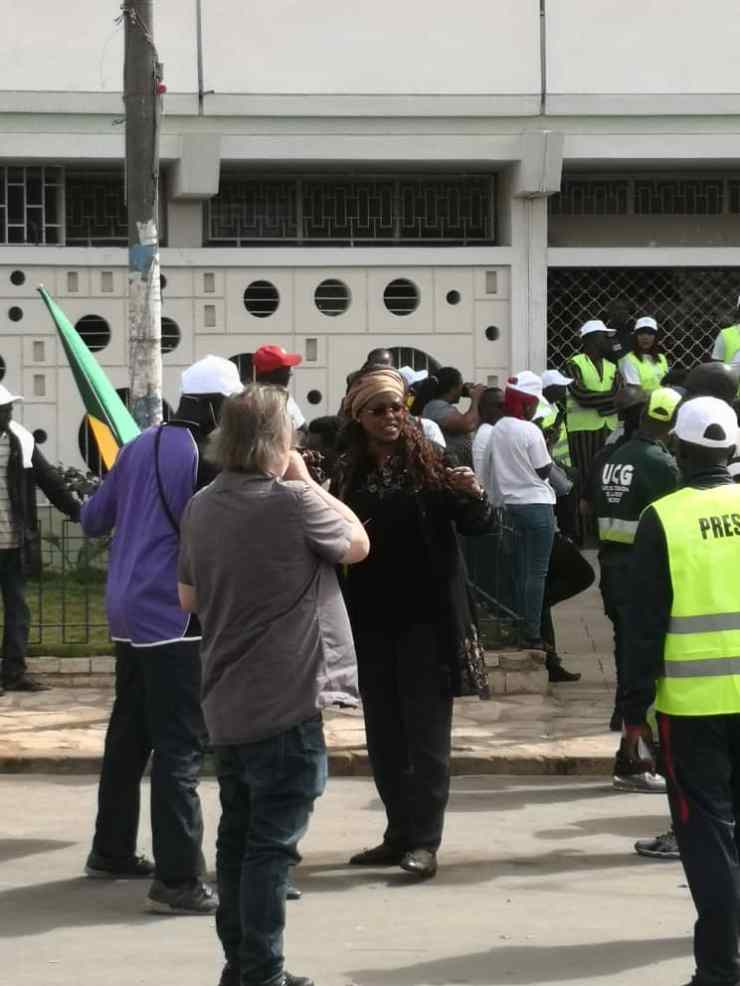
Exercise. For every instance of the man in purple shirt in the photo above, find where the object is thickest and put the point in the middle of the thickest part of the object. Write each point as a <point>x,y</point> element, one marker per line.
<point>157,702</point>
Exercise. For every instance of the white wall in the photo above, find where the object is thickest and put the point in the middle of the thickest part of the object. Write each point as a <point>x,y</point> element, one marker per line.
<point>643,46</point>
<point>54,47</point>
<point>386,46</point>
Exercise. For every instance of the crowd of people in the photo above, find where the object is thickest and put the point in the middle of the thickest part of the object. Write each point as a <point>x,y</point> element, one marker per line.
<point>263,568</point>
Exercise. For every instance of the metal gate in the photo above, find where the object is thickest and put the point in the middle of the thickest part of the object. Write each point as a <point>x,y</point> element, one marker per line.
<point>691,305</point>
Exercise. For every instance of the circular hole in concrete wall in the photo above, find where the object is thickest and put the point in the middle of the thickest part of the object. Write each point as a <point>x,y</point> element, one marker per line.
<point>314,397</point>
<point>170,335</point>
<point>15,314</point>
<point>492,333</point>
<point>39,436</point>
<point>261,299</point>
<point>332,297</point>
<point>17,278</point>
<point>453,297</point>
<point>95,332</point>
<point>162,282</point>
<point>401,297</point>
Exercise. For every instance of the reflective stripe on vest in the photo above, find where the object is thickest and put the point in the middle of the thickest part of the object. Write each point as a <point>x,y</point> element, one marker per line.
<point>650,371</point>
<point>586,419</point>
<point>701,662</point>
<point>621,531</point>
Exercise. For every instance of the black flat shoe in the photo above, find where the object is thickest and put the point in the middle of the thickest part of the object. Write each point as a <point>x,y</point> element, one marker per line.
<point>556,673</point>
<point>421,863</point>
<point>382,855</point>
<point>292,892</point>
<point>24,684</point>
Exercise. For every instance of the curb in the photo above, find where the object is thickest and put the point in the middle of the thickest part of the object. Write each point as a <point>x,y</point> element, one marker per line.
<point>354,763</point>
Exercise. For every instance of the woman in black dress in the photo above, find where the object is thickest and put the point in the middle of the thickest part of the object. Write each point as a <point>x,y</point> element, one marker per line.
<point>412,618</point>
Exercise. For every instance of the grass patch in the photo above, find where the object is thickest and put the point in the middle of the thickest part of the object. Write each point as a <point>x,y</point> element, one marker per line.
<point>67,617</point>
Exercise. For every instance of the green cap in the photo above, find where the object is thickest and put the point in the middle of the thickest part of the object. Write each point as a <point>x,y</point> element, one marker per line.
<point>663,403</point>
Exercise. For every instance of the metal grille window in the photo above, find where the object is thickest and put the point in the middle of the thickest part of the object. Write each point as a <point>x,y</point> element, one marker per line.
<point>591,197</point>
<point>95,210</point>
<point>679,197</point>
<point>417,359</point>
<point>31,205</point>
<point>647,196</point>
<point>352,210</point>
<point>691,305</point>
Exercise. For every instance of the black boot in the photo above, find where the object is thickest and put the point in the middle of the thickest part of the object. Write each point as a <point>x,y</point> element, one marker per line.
<point>556,673</point>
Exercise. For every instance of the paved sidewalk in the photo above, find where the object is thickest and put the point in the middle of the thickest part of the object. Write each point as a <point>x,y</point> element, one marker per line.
<point>562,732</point>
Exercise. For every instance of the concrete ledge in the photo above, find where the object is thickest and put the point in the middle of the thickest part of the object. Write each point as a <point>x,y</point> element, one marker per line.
<point>354,763</point>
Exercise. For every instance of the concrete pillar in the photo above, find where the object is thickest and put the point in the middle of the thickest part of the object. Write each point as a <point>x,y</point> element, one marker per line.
<point>529,284</point>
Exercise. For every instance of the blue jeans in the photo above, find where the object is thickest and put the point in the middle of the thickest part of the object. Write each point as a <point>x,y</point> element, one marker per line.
<point>267,792</point>
<point>534,530</point>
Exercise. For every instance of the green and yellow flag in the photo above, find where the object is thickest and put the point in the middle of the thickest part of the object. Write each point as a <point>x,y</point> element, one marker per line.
<point>110,420</point>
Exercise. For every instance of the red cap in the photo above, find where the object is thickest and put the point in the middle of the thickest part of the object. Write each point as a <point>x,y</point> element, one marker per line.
<point>269,358</point>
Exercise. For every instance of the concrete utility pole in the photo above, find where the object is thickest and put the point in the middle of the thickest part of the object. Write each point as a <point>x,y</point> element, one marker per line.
<point>142,92</point>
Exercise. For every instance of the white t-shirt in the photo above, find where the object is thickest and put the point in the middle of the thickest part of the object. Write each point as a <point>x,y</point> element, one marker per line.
<point>516,449</point>
<point>718,352</point>
<point>296,415</point>
<point>433,432</point>
<point>482,461</point>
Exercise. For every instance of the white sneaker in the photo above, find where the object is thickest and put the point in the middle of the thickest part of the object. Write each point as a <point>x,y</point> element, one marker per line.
<point>646,783</point>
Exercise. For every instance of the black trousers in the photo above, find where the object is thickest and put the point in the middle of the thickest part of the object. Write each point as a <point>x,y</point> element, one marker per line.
<point>408,721</point>
<point>156,711</point>
<point>615,592</point>
<point>702,760</point>
<point>16,616</point>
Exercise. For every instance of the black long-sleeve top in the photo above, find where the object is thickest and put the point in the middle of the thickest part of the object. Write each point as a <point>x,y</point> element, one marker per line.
<point>602,401</point>
<point>651,600</point>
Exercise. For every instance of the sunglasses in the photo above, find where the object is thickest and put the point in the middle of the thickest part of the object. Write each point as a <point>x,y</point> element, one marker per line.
<point>380,409</point>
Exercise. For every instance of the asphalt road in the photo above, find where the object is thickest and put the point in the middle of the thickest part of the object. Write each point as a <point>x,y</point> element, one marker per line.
<point>538,883</point>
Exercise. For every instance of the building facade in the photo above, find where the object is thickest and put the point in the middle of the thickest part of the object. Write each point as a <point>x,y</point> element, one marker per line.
<point>467,185</point>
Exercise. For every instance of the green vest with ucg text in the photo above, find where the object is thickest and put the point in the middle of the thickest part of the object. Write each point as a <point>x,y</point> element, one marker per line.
<point>702,646</point>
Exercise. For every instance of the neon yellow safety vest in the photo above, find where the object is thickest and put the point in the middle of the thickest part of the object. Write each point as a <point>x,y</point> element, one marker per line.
<point>731,341</point>
<point>651,371</point>
<point>585,419</point>
<point>702,645</point>
<point>560,450</point>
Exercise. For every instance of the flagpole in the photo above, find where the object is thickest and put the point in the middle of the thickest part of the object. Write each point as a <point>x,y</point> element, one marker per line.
<point>143,88</point>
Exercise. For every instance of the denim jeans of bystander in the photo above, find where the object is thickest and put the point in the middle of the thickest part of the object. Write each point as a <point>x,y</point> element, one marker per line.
<point>267,792</point>
<point>534,530</point>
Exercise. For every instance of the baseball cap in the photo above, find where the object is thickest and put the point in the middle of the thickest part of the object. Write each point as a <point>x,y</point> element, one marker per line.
<point>269,358</point>
<point>554,378</point>
<point>595,325</point>
<point>706,421</point>
<point>212,375</point>
<point>412,376</point>
<point>646,322</point>
<point>6,397</point>
<point>526,382</point>
<point>662,403</point>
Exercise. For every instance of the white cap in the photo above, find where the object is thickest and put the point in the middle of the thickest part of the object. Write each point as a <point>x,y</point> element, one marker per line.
<point>646,322</point>
<point>554,378</point>
<point>698,415</point>
<point>6,397</point>
<point>526,382</point>
<point>212,375</point>
<point>412,376</point>
<point>594,325</point>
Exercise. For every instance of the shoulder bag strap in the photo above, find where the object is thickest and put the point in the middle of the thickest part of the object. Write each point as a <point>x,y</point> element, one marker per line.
<point>165,506</point>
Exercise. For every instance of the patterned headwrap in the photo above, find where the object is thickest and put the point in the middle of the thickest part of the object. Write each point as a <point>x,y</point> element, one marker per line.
<point>369,385</point>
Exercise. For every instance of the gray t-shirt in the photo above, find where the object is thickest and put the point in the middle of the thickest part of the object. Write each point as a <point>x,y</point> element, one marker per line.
<point>277,644</point>
<point>457,442</point>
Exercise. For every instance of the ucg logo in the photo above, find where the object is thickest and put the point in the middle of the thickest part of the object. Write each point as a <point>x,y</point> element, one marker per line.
<point>617,474</point>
